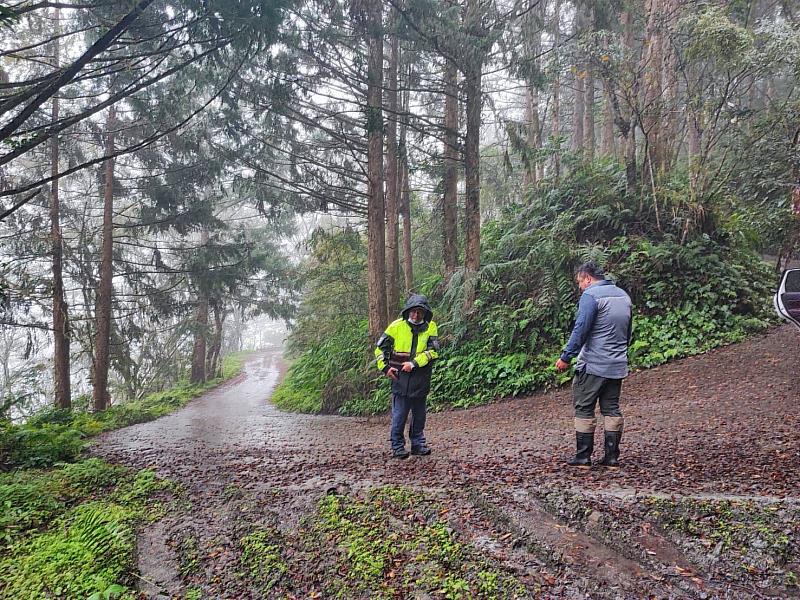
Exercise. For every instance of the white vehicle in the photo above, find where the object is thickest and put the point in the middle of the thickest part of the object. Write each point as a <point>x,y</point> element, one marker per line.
<point>787,298</point>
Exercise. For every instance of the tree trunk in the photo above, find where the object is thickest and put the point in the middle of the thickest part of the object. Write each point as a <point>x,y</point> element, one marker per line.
<point>472,204</point>
<point>61,330</point>
<point>405,200</point>
<point>588,105</point>
<point>607,141</point>
<point>450,199</point>
<point>376,241</point>
<point>694,129</point>
<point>556,126</point>
<point>579,88</point>
<point>607,145</point>
<point>392,185</point>
<point>533,170</point>
<point>200,327</point>
<point>669,128</point>
<point>533,125</point>
<point>100,394</point>
<point>578,112</point>
<point>588,109</point>
<point>198,374</point>
<point>653,91</point>
<point>405,207</point>
<point>238,328</point>
<point>631,175</point>
<point>796,178</point>
<point>588,116</point>
<point>793,238</point>
<point>212,364</point>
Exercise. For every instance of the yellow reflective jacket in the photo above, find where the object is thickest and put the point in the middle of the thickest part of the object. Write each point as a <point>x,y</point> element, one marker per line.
<point>404,342</point>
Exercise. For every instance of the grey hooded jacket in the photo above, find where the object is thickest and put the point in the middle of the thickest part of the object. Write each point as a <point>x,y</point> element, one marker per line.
<point>602,332</point>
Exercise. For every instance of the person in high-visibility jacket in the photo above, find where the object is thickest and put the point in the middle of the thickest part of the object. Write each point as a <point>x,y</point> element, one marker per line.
<point>405,354</point>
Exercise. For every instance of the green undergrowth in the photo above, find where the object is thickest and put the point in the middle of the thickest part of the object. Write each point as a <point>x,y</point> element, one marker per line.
<point>389,542</point>
<point>262,557</point>
<point>60,435</point>
<point>67,526</point>
<point>695,282</point>
<point>69,531</point>
<point>327,368</point>
<point>744,539</point>
<point>392,542</point>
<point>189,556</point>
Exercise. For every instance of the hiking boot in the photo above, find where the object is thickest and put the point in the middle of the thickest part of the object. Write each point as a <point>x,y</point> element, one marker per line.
<point>584,444</point>
<point>611,447</point>
<point>421,451</point>
<point>400,453</point>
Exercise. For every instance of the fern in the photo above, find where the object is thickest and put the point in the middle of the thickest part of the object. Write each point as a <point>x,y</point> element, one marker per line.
<point>99,528</point>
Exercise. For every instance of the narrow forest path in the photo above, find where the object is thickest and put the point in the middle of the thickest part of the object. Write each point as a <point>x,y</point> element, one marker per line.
<point>721,425</point>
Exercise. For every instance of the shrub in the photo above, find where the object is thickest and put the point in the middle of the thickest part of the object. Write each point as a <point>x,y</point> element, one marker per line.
<point>34,445</point>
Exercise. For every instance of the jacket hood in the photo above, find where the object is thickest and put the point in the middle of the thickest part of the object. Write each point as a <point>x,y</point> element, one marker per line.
<point>418,301</point>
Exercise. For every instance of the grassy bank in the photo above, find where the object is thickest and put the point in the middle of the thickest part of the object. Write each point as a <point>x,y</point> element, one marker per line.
<point>67,526</point>
<point>69,531</point>
<point>688,299</point>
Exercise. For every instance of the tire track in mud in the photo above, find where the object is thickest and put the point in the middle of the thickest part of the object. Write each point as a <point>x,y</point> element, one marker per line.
<point>581,560</point>
<point>241,460</point>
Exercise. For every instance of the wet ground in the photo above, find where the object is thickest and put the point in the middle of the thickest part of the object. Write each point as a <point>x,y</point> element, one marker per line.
<point>722,426</point>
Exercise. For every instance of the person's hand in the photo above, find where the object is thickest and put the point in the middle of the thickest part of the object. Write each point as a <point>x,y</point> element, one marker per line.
<point>407,366</point>
<point>562,365</point>
<point>391,373</point>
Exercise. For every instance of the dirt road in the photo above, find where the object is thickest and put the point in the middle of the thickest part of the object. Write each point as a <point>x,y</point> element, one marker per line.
<point>721,425</point>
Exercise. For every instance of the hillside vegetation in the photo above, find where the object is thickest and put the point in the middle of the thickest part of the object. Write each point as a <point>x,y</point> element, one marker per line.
<point>695,281</point>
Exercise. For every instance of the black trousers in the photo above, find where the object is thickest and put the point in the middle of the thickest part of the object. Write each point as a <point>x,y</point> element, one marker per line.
<point>588,389</point>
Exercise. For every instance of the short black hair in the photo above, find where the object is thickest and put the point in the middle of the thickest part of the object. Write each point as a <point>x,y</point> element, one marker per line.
<point>592,269</point>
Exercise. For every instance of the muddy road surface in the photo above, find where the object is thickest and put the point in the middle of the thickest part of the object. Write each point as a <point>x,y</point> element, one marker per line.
<point>704,506</point>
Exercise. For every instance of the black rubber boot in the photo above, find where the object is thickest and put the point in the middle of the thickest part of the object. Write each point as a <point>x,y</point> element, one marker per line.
<point>611,448</point>
<point>584,443</point>
<point>420,450</point>
<point>400,453</point>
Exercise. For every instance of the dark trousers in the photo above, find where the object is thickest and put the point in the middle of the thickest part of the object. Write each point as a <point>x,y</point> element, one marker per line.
<point>401,406</point>
<point>588,389</point>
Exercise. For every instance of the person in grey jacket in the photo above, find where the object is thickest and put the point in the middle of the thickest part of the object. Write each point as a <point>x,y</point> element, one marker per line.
<point>600,340</point>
